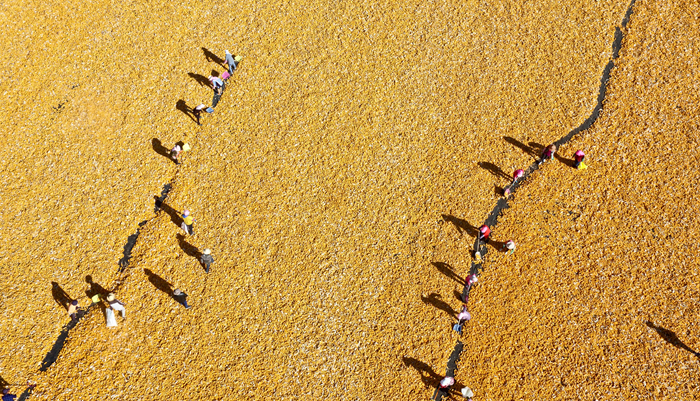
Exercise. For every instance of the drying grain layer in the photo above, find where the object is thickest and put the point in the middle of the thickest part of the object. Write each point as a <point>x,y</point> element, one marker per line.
<point>322,183</point>
<point>600,301</point>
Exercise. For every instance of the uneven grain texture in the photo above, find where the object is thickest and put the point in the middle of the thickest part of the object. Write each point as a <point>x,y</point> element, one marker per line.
<point>320,183</point>
<point>600,299</point>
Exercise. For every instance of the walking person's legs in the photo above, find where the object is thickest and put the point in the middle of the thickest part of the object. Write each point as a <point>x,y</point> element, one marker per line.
<point>121,309</point>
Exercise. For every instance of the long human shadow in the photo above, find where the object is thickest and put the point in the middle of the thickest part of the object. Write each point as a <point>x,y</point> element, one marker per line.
<point>448,271</point>
<point>129,246</point>
<point>502,203</point>
<point>210,56</point>
<point>427,374</point>
<point>60,296</point>
<point>189,249</point>
<point>187,110</point>
<point>160,149</point>
<point>494,169</point>
<point>52,355</point>
<point>174,214</point>
<point>526,149</point>
<point>434,299</point>
<point>95,289</point>
<point>201,79</point>
<point>462,225</point>
<point>563,160</point>
<point>160,283</point>
<point>671,338</point>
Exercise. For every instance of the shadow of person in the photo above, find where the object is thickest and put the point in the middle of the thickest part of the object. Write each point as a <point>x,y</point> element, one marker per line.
<point>434,300</point>
<point>188,248</point>
<point>174,214</point>
<point>462,225</point>
<point>183,107</point>
<point>458,296</point>
<point>499,191</point>
<point>159,282</point>
<point>160,149</point>
<point>537,148</point>
<point>495,170</point>
<point>59,295</point>
<point>447,270</point>
<point>201,79</point>
<point>95,288</point>
<point>499,246</point>
<point>212,57</point>
<point>671,338</point>
<point>427,374</point>
<point>526,149</point>
<point>564,160</point>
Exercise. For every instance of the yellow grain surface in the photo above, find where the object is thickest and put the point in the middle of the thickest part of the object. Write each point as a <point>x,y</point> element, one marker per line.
<point>319,183</point>
<point>600,300</point>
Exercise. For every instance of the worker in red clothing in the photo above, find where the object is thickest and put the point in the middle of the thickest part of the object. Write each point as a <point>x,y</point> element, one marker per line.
<point>484,233</point>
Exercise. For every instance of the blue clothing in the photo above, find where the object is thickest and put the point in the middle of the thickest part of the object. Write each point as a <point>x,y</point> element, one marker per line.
<point>9,397</point>
<point>216,82</point>
<point>232,64</point>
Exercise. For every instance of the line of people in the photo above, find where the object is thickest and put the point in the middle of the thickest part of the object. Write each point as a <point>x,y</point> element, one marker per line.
<point>176,154</point>
<point>509,246</point>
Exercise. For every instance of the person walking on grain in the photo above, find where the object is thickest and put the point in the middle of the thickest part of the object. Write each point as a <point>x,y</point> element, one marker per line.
<point>217,84</point>
<point>181,297</point>
<point>578,160</point>
<point>207,260</point>
<point>73,310</point>
<point>517,174</point>
<point>484,233</point>
<point>548,153</point>
<point>446,383</point>
<point>175,153</point>
<point>510,246</point>
<point>232,62</point>
<point>187,222</point>
<point>198,111</point>
<point>115,304</point>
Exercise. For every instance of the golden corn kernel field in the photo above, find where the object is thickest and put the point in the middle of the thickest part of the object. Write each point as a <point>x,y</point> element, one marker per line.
<point>327,181</point>
<point>599,301</point>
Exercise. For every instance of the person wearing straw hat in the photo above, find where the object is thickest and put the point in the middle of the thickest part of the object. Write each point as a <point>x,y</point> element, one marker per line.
<point>207,260</point>
<point>115,304</point>
<point>467,393</point>
<point>510,246</point>
<point>181,298</point>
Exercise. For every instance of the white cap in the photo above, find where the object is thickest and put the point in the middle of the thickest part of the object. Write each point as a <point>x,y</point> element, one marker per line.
<point>467,392</point>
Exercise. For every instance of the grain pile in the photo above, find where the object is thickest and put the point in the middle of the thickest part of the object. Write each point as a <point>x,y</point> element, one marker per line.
<point>320,183</point>
<point>600,299</point>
